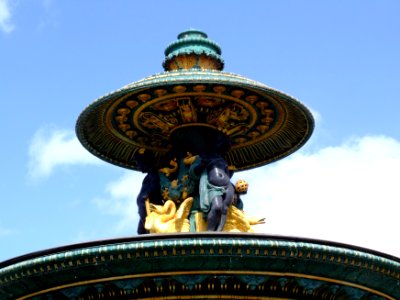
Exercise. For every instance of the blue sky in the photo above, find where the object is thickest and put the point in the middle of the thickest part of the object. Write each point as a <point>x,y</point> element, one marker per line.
<point>340,58</point>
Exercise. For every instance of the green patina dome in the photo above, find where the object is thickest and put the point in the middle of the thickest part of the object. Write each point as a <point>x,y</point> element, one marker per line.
<point>261,124</point>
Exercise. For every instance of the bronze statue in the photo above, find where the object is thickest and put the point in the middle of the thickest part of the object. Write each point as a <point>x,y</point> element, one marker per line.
<point>216,192</point>
<point>190,193</point>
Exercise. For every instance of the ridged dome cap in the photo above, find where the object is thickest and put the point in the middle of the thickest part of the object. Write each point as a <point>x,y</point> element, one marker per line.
<point>193,49</point>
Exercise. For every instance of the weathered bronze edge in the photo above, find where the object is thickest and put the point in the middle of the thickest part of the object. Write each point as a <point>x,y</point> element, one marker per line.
<point>214,272</point>
<point>172,236</point>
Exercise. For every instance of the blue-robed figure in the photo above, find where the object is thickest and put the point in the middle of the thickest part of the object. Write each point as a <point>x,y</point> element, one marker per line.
<point>216,191</point>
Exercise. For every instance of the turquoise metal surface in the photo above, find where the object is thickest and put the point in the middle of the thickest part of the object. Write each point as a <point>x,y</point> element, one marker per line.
<point>234,265</point>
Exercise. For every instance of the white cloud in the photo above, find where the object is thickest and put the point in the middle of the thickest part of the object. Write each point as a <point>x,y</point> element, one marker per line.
<point>5,17</point>
<point>317,116</point>
<point>51,148</point>
<point>121,201</point>
<point>347,193</point>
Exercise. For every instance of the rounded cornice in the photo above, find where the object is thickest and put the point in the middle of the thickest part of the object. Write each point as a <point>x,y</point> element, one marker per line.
<point>239,266</point>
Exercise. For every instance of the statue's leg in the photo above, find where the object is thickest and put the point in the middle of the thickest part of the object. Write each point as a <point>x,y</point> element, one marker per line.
<point>150,190</point>
<point>147,187</point>
<point>142,215</point>
<point>226,202</point>
<point>214,216</point>
<point>140,227</point>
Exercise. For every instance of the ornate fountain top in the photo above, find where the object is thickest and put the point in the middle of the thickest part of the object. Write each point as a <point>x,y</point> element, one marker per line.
<point>260,124</point>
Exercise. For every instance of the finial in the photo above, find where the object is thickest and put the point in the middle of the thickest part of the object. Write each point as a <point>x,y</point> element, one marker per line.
<point>193,50</point>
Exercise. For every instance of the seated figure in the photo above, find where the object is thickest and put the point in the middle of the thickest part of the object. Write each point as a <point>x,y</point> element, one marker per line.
<point>150,186</point>
<point>216,192</point>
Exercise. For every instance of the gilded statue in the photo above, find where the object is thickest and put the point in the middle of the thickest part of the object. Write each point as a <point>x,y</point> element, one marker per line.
<point>167,218</point>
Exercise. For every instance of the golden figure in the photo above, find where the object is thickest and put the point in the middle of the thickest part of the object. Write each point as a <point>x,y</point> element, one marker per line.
<point>166,218</point>
<point>189,159</point>
<point>151,121</point>
<point>187,111</point>
<point>228,116</point>
<point>169,170</point>
<point>237,221</point>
